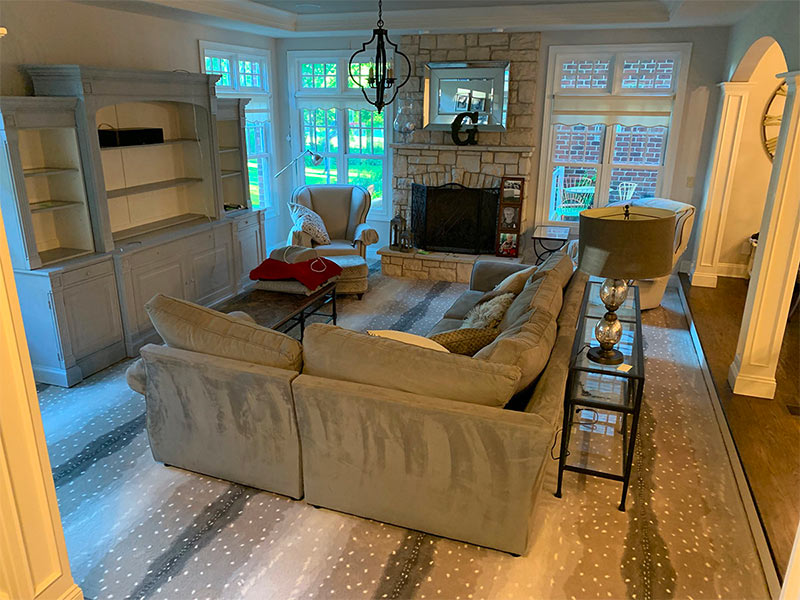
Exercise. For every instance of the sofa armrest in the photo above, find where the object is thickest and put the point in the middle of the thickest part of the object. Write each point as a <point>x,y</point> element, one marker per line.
<point>450,468</point>
<point>488,273</point>
<point>366,235</point>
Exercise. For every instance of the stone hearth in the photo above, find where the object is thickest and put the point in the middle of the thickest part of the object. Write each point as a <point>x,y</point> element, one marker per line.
<point>437,266</point>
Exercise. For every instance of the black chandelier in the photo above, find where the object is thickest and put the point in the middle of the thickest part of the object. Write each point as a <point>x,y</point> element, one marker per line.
<point>381,75</point>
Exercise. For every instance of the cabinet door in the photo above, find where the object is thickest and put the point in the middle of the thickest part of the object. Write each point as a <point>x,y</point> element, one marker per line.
<point>212,271</point>
<point>167,278</point>
<point>251,246</point>
<point>92,314</point>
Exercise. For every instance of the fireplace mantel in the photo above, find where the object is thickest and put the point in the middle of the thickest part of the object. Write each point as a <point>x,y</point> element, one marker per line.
<point>525,151</point>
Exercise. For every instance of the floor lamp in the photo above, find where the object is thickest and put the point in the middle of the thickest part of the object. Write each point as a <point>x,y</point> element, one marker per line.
<point>316,160</point>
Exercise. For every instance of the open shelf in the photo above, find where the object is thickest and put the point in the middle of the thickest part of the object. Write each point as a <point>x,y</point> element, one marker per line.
<point>55,255</point>
<point>39,171</point>
<point>227,149</point>
<point>131,232</point>
<point>230,174</point>
<point>51,205</point>
<point>164,143</point>
<point>151,187</point>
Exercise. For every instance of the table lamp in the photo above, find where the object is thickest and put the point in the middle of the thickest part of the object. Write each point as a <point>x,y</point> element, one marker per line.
<point>622,243</point>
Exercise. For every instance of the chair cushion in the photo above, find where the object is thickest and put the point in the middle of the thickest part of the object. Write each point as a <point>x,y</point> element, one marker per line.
<point>527,345</point>
<point>192,327</point>
<point>336,248</point>
<point>344,355</point>
<point>353,266</point>
<point>466,340</point>
<point>310,222</point>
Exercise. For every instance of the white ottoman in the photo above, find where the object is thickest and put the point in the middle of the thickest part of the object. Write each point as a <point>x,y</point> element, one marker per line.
<point>353,278</point>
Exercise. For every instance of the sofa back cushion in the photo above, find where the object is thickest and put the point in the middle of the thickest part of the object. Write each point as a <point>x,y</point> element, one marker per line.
<point>192,327</point>
<point>558,265</point>
<point>526,344</point>
<point>345,355</point>
<point>543,293</point>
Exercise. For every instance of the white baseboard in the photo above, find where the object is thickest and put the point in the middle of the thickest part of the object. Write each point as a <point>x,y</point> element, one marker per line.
<point>708,280</point>
<point>732,270</point>
<point>750,385</point>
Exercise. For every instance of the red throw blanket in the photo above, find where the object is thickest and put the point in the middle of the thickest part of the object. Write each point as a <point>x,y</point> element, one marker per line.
<point>311,273</point>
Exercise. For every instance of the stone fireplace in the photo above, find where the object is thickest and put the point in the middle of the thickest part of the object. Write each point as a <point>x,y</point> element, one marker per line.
<point>430,158</point>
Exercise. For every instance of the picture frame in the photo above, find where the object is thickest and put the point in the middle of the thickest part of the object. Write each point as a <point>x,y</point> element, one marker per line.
<point>508,245</point>
<point>509,216</point>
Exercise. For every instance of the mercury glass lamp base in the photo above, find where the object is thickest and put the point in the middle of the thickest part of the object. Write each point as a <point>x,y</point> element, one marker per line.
<point>605,357</point>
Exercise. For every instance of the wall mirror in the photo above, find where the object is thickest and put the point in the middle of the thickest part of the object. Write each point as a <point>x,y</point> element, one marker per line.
<point>456,87</point>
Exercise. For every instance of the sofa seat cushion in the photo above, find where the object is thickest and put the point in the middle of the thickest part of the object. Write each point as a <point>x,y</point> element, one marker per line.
<point>188,326</point>
<point>445,325</point>
<point>344,355</point>
<point>526,345</point>
<point>463,304</point>
<point>466,340</point>
<point>543,293</point>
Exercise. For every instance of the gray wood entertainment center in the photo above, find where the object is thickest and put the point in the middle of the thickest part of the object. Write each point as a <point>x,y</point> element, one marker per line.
<point>95,232</point>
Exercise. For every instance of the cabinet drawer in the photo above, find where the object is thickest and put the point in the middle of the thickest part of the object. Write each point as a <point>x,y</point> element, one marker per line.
<point>82,274</point>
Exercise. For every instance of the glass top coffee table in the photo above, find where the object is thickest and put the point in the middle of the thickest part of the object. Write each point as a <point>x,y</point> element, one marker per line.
<point>283,312</point>
<point>603,402</point>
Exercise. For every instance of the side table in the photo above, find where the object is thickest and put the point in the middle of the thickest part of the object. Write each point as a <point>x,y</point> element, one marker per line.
<point>547,240</point>
<point>613,393</point>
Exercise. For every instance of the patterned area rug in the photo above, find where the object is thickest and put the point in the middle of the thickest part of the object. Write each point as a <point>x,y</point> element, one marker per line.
<point>137,529</point>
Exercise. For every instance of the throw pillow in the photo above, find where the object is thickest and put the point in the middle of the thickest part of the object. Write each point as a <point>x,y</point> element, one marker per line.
<point>408,338</point>
<point>488,314</point>
<point>467,340</point>
<point>310,222</point>
<point>559,265</point>
<point>514,282</point>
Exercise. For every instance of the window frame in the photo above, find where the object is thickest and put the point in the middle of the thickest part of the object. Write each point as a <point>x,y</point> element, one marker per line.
<point>340,98</point>
<point>261,95</point>
<point>617,98</point>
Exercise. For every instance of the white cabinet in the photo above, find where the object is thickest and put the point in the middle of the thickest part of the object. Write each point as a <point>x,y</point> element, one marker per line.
<point>72,319</point>
<point>199,266</point>
<point>250,246</point>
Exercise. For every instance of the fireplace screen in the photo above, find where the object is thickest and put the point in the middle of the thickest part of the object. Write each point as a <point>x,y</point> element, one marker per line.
<point>454,218</point>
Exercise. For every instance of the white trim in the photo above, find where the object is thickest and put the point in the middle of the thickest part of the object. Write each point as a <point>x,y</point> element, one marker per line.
<point>736,270</point>
<point>666,171</point>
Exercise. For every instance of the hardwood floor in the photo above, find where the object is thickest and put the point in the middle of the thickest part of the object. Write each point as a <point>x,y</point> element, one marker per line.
<point>766,434</point>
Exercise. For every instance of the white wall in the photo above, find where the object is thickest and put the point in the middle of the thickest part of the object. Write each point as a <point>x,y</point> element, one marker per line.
<point>72,33</point>
<point>753,167</point>
<point>777,18</point>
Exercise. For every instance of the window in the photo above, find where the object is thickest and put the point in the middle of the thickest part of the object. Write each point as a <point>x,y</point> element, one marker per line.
<point>243,74</point>
<point>608,124</point>
<point>335,121</point>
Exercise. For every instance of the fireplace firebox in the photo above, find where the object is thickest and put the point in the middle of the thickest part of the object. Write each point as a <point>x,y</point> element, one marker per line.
<point>454,218</point>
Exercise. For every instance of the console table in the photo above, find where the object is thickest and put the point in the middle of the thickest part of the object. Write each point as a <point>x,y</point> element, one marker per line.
<point>603,401</point>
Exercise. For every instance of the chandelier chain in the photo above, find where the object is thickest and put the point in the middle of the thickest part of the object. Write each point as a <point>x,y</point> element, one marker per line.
<point>380,13</point>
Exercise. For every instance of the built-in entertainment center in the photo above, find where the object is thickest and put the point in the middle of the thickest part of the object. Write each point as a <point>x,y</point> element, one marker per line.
<point>96,230</point>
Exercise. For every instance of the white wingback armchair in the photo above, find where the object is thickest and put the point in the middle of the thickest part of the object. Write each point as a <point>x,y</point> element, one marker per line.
<point>343,209</point>
<point>651,291</point>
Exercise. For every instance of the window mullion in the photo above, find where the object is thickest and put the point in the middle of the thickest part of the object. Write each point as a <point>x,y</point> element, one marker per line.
<point>604,169</point>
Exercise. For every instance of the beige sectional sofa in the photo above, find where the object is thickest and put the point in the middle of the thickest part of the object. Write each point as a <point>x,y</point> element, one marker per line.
<point>379,428</point>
